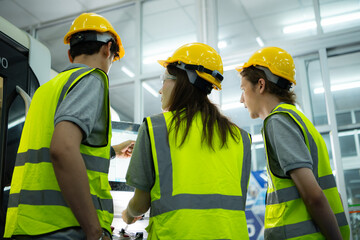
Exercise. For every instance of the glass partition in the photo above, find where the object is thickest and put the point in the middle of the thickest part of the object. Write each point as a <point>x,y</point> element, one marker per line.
<point>166,25</point>
<point>152,98</point>
<point>317,96</point>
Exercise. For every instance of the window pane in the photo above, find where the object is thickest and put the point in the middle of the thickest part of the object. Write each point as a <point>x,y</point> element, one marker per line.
<point>122,101</point>
<point>317,93</point>
<point>343,118</point>
<point>357,116</point>
<point>166,25</point>
<point>124,23</point>
<point>345,85</point>
<point>151,96</point>
<point>347,145</point>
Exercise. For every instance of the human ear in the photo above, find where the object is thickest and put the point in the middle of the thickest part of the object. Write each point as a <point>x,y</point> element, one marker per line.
<point>70,58</point>
<point>107,49</point>
<point>261,83</point>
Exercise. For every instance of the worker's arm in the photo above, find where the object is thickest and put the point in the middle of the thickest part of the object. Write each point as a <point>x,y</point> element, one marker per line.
<point>71,175</point>
<point>124,149</point>
<point>316,202</point>
<point>138,205</point>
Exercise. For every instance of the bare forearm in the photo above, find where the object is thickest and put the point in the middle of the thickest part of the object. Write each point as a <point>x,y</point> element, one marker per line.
<point>74,185</point>
<point>325,219</point>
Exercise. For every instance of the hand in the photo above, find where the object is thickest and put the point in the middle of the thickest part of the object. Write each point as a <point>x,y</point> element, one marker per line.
<point>128,218</point>
<point>124,149</point>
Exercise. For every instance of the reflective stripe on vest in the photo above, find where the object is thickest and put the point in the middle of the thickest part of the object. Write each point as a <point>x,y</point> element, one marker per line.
<point>92,163</point>
<point>167,202</point>
<point>55,198</point>
<point>300,229</point>
<point>283,190</point>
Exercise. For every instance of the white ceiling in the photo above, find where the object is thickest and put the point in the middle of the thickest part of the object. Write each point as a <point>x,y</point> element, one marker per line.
<point>167,24</point>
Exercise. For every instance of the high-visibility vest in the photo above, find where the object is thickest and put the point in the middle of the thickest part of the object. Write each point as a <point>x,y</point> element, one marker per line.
<point>286,216</point>
<point>198,193</point>
<point>36,205</point>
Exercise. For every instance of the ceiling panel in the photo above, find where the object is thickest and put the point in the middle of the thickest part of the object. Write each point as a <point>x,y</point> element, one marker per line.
<point>51,9</point>
<point>17,15</point>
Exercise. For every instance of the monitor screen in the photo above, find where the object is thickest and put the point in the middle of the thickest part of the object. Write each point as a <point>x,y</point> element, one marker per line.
<point>121,131</point>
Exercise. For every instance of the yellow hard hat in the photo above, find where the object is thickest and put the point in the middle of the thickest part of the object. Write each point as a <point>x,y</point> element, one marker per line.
<point>277,60</point>
<point>202,58</point>
<point>94,22</point>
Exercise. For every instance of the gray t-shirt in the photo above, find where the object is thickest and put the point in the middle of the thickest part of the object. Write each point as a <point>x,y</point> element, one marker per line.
<point>286,145</point>
<point>84,106</point>
<point>141,173</point>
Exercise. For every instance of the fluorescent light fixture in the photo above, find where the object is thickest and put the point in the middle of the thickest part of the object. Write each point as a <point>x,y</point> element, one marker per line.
<point>339,87</point>
<point>127,72</point>
<point>232,105</point>
<point>153,59</point>
<point>260,41</point>
<point>299,27</point>
<point>232,67</point>
<point>222,44</point>
<point>16,122</point>
<point>150,89</point>
<point>324,22</point>
<point>340,19</point>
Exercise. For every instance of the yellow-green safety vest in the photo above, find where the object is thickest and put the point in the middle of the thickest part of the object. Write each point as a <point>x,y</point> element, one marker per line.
<point>198,193</point>
<point>36,205</point>
<point>286,216</point>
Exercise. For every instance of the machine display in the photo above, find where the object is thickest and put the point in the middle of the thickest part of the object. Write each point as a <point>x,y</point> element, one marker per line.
<point>121,131</point>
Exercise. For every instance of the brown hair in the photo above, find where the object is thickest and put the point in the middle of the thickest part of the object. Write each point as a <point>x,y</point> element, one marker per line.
<point>91,47</point>
<point>187,100</point>
<point>253,75</point>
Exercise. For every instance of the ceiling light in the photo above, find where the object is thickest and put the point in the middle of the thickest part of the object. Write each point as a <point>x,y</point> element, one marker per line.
<point>222,44</point>
<point>155,58</point>
<point>232,105</point>
<point>299,27</point>
<point>324,22</point>
<point>150,89</point>
<point>127,72</point>
<point>340,19</point>
<point>260,41</point>
<point>232,67</point>
<point>339,87</point>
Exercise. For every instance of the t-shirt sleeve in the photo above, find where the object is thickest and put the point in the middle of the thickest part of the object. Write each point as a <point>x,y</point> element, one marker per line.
<point>83,104</point>
<point>141,173</point>
<point>287,143</point>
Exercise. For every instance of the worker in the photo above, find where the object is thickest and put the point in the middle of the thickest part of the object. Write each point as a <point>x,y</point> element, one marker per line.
<point>190,164</point>
<point>302,198</point>
<point>60,187</point>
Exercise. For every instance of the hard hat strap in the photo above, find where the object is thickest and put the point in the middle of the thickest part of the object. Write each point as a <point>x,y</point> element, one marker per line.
<point>194,79</point>
<point>92,36</point>
<point>216,74</point>
<point>279,81</point>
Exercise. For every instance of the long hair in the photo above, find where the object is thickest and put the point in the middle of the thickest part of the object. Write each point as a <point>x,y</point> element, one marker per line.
<point>253,75</point>
<point>187,100</point>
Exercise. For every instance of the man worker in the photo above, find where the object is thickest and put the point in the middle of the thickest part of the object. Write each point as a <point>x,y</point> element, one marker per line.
<point>60,187</point>
<point>302,198</point>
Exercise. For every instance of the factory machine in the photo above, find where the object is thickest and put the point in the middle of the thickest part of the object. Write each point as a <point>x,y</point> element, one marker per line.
<point>25,64</point>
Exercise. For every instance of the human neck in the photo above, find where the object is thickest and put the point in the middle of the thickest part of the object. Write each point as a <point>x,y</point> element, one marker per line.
<point>269,103</point>
<point>93,61</point>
